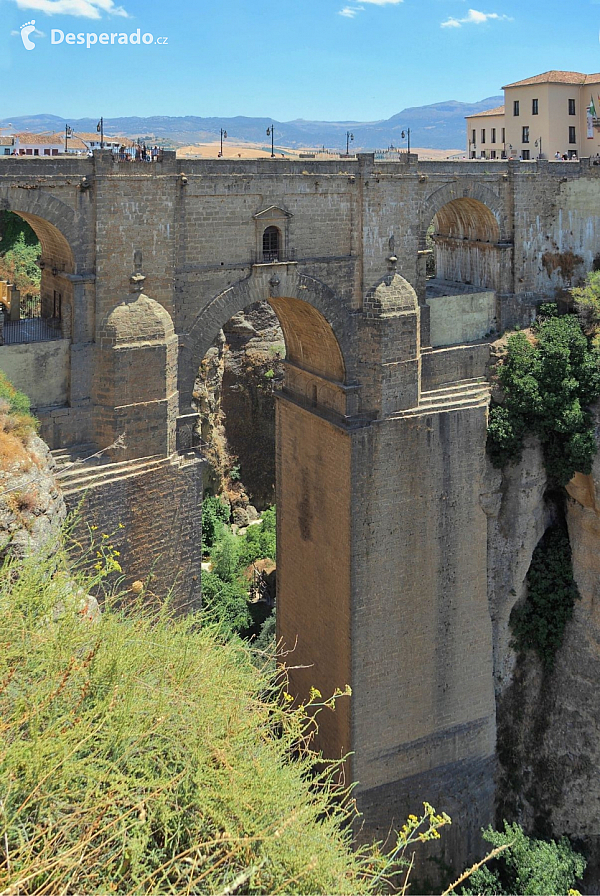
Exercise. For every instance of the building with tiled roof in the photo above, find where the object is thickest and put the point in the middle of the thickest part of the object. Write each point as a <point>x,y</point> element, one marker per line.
<point>552,115</point>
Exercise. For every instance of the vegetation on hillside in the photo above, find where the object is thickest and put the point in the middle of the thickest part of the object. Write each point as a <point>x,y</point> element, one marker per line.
<point>145,753</point>
<point>20,252</point>
<point>548,379</point>
<point>539,623</point>
<point>226,588</point>
<point>526,866</point>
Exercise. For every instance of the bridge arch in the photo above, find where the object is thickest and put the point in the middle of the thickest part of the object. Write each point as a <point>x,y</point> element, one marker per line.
<point>54,222</point>
<point>313,320</point>
<point>477,202</point>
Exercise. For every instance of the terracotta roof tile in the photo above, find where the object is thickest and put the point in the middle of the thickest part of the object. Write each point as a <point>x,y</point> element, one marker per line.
<point>499,110</point>
<point>39,139</point>
<point>556,77</point>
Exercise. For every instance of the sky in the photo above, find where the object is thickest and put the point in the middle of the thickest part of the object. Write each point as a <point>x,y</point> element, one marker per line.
<point>342,60</point>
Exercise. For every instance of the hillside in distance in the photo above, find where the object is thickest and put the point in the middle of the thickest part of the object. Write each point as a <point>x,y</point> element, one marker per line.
<point>437,126</point>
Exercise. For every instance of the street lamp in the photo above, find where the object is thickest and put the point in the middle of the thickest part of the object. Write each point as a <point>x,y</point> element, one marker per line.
<point>349,137</point>
<point>223,137</point>
<point>271,134</point>
<point>68,135</point>
<point>405,134</point>
<point>100,130</point>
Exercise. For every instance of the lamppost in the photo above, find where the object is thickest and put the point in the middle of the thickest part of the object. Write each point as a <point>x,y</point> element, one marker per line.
<point>271,134</point>
<point>540,143</point>
<point>100,130</point>
<point>349,137</point>
<point>223,137</point>
<point>68,135</point>
<point>405,134</point>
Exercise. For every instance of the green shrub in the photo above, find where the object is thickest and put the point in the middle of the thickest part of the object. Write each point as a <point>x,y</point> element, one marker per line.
<point>528,867</point>
<point>214,513</point>
<point>260,541</point>
<point>142,753</point>
<point>539,623</point>
<point>548,387</point>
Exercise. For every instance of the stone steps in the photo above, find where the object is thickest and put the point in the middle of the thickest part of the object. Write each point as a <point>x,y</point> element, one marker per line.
<point>77,475</point>
<point>452,397</point>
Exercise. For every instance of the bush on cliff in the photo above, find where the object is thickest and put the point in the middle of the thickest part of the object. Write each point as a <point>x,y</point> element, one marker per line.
<point>548,382</point>
<point>143,753</point>
<point>528,866</point>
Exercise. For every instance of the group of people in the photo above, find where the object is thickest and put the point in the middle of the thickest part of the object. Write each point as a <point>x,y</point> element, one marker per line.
<point>564,157</point>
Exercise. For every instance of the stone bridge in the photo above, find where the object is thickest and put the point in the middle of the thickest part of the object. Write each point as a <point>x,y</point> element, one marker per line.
<point>387,278</point>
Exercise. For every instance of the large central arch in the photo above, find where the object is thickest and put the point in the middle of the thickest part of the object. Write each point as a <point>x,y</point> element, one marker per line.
<point>313,475</point>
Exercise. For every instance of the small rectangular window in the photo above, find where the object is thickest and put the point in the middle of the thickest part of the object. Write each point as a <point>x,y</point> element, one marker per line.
<point>572,135</point>
<point>534,107</point>
<point>36,152</point>
<point>503,135</point>
<point>525,138</point>
<point>525,155</point>
<point>474,136</point>
<point>516,107</point>
<point>493,154</point>
<point>571,107</point>
<point>46,152</point>
<point>483,135</point>
<point>493,135</point>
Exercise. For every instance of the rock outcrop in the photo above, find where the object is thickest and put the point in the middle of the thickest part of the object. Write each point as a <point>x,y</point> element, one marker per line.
<point>234,393</point>
<point>32,508</point>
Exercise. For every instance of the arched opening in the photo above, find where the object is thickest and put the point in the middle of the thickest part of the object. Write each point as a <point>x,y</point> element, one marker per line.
<point>36,297</point>
<point>464,271</point>
<point>298,365</point>
<point>271,245</point>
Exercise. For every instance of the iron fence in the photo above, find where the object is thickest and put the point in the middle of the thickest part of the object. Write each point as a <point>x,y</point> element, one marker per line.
<point>33,329</point>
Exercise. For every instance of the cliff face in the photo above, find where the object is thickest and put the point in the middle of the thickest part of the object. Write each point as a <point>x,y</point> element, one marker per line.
<point>32,509</point>
<point>235,396</point>
<point>548,747</point>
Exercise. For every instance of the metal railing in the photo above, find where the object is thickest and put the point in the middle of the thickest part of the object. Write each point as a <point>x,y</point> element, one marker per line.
<point>31,329</point>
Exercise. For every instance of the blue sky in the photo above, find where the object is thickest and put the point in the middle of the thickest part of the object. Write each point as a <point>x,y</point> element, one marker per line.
<point>316,59</point>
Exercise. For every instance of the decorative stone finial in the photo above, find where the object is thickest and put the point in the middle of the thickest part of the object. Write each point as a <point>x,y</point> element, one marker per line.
<point>137,278</point>
<point>274,283</point>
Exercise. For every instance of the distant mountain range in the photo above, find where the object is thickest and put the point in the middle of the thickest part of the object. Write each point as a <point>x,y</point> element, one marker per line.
<point>438,126</point>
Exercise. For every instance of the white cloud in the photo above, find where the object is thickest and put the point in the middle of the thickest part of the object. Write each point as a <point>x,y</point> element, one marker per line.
<point>89,9</point>
<point>350,11</point>
<point>474,17</point>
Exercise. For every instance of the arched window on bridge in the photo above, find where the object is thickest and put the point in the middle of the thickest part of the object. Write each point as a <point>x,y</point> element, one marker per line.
<point>271,244</point>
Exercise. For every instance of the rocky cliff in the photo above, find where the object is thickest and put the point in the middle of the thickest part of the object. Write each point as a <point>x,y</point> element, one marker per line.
<point>32,508</point>
<point>548,718</point>
<point>234,392</point>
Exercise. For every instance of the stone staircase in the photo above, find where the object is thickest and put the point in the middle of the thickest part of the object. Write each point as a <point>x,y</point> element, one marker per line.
<point>77,469</point>
<point>452,397</point>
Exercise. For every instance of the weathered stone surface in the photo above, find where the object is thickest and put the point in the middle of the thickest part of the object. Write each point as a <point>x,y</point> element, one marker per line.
<point>517,517</point>
<point>32,508</point>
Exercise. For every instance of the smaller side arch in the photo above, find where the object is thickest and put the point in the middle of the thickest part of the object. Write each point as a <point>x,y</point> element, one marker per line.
<point>56,224</point>
<point>453,192</point>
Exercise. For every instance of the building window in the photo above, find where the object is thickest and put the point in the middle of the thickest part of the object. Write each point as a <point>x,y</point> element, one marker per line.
<point>493,154</point>
<point>525,138</point>
<point>473,137</point>
<point>29,152</point>
<point>571,107</point>
<point>483,135</point>
<point>54,152</point>
<point>473,154</point>
<point>572,135</point>
<point>36,152</point>
<point>516,107</point>
<point>503,135</point>
<point>534,107</point>
<point>493,135</point>
<point>46,152</point>
<point>271,244</point>
<point>525,155</point>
